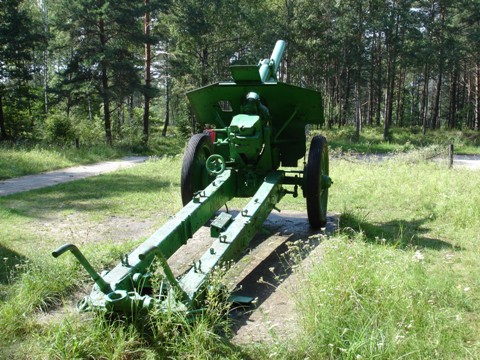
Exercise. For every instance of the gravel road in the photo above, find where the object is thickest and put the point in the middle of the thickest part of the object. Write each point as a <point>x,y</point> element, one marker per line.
<point>37,181</point>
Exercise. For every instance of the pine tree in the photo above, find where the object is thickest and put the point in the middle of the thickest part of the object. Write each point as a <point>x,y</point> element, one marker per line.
<point>103,37</point>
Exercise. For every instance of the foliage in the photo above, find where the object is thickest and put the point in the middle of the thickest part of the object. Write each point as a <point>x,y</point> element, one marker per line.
<point>58,129</point>
<point>20,36</point>
<point>400,63</point>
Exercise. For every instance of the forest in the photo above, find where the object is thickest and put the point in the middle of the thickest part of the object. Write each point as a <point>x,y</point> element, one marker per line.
<point>93,71</point>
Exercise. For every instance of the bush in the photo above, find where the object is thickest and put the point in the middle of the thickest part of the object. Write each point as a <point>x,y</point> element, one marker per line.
<point>58,129</point>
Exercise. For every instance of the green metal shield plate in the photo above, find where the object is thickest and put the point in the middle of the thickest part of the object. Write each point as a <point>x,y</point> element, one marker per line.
<point>291,109</point>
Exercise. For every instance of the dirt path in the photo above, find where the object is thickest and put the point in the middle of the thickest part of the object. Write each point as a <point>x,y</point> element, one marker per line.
<point>469,161</point>
<point>37,181</point>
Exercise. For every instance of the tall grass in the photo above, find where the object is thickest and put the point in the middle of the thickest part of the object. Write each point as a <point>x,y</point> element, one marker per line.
<point>400,278</point>
<point>401,139</point>
<point>160,335</point>
<point>368,300</point>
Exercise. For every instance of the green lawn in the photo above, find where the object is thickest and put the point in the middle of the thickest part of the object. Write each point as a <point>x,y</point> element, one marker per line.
<point>19,160</point>
<point>400,277</point>
<point>398,280</point>
<point>401,140</point>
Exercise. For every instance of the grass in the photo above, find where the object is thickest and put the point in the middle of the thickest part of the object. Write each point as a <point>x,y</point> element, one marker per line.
<point>15,161</point>
<point>398,280</point>
<point>368,301</point>
<point>18,161</point>
<point>402,139</point>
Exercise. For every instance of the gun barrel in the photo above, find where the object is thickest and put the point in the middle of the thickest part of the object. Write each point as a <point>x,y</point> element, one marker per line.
<point>268,68</point>
<point>277,54</point>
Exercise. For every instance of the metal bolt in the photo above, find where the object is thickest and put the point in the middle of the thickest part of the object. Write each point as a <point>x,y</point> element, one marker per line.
<point>124,260</point>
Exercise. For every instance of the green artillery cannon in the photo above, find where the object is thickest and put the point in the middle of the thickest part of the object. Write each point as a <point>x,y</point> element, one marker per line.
<point>256,125</point>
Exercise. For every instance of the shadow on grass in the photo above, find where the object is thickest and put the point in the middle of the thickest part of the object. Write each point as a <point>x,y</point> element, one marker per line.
<point>276,264</point>
<point>400,233</point>
<point>90,194</point>
<point>9,261</point>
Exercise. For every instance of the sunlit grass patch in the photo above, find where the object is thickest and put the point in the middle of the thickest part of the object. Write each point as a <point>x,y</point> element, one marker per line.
<point>400,279</point>
<point>367,300</point>
<point>401,139</point>
<point>19,161</point>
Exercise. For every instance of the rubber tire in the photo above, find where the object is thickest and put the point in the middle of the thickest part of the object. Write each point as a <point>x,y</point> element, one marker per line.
<point>317,166</point>
<point>194,175</point>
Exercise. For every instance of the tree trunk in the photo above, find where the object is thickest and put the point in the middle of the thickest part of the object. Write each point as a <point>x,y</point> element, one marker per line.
<point>389,99</point>
<point>44,9</point>
<point>90,110</point>
<point>3,131</point>
<point>146,108</point>
<point>452,112</point>
<point>346,98</point>
<point>401,108</point>
<point>358,112</point>
<point>436,103</point>
<point>106,107</point>
<point>167,104</point>
<point>463,94</point>
<point>424,106</point>
<point>399,98</point>
<point>469,100</point>
<point>105,95</point>
<point>130,110</point>
<point>371,88</point>
<point>379,80</point>
<point>477,96</point>
<point>331,102</point>
<point>338,96</point>
<point>45,82</point>
<point>417,103</point>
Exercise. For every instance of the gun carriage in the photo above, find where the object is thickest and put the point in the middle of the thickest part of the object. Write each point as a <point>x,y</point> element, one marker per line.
<point>256,136</point>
